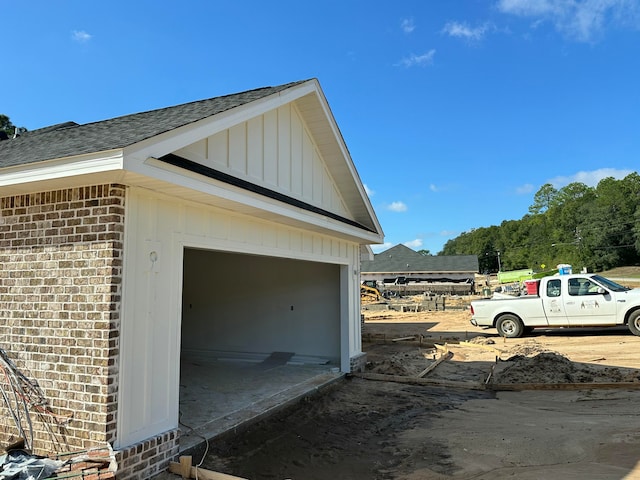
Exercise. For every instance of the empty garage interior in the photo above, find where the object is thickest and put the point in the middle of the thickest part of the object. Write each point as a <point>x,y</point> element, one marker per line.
<point>257,332</point>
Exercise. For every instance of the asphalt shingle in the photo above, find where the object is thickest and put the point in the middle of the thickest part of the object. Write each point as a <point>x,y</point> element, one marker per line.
<point>402,259</point>
<point>69,139</point>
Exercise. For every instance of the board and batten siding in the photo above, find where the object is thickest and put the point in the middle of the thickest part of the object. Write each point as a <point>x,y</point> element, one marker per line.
<point>274,150</point>
<point>158,229</point>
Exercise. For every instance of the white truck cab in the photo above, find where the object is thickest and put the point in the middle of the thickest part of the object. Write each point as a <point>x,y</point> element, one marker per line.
<point>577,300</point>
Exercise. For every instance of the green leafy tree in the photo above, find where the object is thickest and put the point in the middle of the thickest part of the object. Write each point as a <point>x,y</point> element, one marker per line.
<point>597,228</point>
<point>544,198</point>
<point>6,126</point>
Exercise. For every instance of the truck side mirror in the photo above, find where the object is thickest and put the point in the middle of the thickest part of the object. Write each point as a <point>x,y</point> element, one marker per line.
<point>602,291</point>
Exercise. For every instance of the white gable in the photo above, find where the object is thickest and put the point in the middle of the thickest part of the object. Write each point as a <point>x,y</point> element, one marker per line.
<point>276,151</point>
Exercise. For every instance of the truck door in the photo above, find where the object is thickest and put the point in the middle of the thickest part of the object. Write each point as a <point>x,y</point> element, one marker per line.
<point>585,306</point>
<point>553,302</point>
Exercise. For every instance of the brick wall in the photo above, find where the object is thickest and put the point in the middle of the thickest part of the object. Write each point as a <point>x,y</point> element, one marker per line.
<point>60,287</point>
<point>148,458</point>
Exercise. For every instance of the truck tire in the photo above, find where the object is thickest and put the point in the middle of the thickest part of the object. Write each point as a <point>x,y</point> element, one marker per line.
<point>634,323</point>
<point>510,326</point>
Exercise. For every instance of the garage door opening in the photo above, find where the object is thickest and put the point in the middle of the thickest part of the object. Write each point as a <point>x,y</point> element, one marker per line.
<point>257,332</point>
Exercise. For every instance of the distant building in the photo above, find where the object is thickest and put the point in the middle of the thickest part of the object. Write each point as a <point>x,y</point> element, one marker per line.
<point>418,273</point>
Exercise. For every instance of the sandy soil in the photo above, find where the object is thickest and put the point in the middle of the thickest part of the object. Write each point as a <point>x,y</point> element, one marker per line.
<point>461,423</point>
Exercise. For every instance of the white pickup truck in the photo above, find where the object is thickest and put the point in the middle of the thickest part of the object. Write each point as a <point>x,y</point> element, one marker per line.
<point>585,300</point>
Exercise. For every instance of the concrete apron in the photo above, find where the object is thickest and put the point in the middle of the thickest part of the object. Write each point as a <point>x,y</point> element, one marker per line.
<point>217,396</point>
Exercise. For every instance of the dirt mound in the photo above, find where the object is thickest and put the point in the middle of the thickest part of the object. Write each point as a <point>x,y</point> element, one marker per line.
<point>480,340</point>
<point>405,360</point>
<point>389,366</point>
<point>550,367</point>
<point>529,349</point>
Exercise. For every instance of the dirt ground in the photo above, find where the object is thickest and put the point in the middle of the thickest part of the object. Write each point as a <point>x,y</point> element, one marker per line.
<point>470,417</point>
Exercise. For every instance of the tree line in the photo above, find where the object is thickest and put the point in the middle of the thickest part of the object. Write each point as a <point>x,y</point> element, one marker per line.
<point>597,228</point>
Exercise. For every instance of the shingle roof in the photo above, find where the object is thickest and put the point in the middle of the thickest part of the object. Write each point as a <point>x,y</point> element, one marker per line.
<point>68,139</point>
<point>402,259</point>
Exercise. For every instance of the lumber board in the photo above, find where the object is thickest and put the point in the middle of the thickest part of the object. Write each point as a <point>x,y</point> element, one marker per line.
<point>381,377</point>
<point>201,473</point>
<point>517,387</point>
<point>431,367</point>
<point>412,337</point>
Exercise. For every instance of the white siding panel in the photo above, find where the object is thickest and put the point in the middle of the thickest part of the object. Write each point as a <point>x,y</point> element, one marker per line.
<point>285,240</point>
<point>310,157</point>
<point>318,178</point>
<point>271,148</point>
<point>307,243</point>
<point>296,155</point>
<point>255,149</point>
<point>197,221</point>
<point>317,245</point>
<point>284,148</point>
<point>270,237</point>
<point>198,149</point>
<point>218,147</point>
<point>219,225</point>
<point>327,191</point>
<point>238,149</point>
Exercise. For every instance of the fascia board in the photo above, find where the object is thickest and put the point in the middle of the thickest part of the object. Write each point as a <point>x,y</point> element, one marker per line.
<point>98,162</point>
<point>173,140</point>
<point>162,171</point>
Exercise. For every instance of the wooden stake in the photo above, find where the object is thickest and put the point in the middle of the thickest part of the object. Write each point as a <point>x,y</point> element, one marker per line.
<point>185,466</point>
<point>201,473</point>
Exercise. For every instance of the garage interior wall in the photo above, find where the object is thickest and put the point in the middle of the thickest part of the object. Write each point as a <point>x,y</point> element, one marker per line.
<point>259,305</point>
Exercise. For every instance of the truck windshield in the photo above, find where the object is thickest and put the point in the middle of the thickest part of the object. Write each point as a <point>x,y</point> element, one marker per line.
<point>610,284</point>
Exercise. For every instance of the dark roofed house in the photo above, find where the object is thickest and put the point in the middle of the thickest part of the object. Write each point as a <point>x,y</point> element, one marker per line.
<point>421,273</point>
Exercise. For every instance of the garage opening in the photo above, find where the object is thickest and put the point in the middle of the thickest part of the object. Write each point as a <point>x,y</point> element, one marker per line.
<point>257,332</point>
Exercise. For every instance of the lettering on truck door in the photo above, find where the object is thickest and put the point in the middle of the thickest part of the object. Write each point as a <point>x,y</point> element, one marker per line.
<point>585,306</point>
<point>553,302</point>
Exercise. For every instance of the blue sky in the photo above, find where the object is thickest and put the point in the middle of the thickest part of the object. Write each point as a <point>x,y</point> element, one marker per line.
<point>454,112</point>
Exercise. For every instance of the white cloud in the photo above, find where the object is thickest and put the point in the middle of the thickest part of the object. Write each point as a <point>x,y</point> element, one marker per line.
<point>590,179</point>
<point>462,30</point>
<point>414,60</point>
<point>581,20</point>
<point>397,207</point>
<point>433,187</point>
<point>381,248</point>
<point>524,189</point>
<point>414,244</point>
<point>80,36</point>
<point>407,25</point>
<point>368,191</point>
<point>449,233</point>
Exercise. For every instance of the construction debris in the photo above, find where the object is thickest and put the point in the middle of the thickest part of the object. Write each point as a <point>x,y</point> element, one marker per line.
<point>22,397</point>
<point>96,464</point>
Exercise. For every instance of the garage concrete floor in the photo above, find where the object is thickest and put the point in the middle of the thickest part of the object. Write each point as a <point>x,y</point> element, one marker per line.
<point>219,395</point>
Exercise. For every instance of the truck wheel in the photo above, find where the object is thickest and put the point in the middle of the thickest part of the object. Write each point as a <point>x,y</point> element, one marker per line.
<point>510,326</point>
<point>634,322</point>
